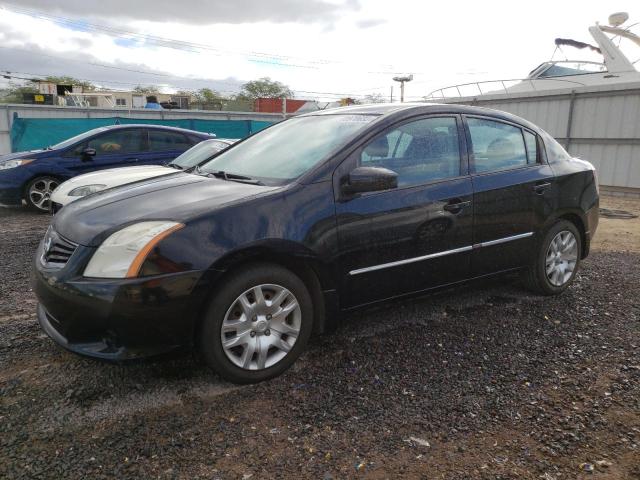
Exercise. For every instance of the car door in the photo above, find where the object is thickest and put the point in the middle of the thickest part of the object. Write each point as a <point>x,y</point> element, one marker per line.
<point>165,145</point>
<point>114,148</point>
<point>512,187</point>
<point>417,235</point>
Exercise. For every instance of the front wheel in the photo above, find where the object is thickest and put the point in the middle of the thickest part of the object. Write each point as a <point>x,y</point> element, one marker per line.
<point>557,260</point>
<point>38,193</point>
<point>257,324</point>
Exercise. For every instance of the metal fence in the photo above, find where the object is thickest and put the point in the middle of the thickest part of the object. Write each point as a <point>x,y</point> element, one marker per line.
<point>598,124</point>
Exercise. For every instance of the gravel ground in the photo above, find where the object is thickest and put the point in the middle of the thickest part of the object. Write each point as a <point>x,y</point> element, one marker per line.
<point>486,381</point>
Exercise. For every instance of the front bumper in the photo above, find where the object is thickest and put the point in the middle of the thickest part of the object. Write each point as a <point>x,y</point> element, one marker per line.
<point>118,319</point>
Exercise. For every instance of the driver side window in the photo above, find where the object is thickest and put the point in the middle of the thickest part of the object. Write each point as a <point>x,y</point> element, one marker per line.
<point>420,151</point>
<point>118,141</point>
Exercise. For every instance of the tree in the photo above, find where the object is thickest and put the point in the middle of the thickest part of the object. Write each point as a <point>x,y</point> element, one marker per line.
<point>14,93</point>
<point>374,98</point>
<point>264,88</point>
<point>207,96</point>
<point>146,90</point>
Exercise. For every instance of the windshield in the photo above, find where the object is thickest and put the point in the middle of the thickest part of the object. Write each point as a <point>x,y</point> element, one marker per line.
<point>564,69</point>
<point>288,149</point>
<point>77,138</point>
<point>199,153</point>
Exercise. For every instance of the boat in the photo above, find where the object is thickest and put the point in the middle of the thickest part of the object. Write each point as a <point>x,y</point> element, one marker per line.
<point>591,108</point>
<point>614,69</point>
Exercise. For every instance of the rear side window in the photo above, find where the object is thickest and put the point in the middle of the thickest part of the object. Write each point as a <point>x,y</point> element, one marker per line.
<point>419,152</point>
<point>159,141</point>
<point>496,145</point>
<point>118,141</point>
<point>532,147</point>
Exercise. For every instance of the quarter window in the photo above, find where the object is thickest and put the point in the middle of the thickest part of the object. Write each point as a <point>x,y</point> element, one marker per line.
<point>159,141</point>
<point>496,145</point>
<point>119,141</point>
<point>419,152</point>
<point>532,147</point>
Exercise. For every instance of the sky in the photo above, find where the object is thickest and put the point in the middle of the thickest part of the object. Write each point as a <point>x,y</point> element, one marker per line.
<point>322,49</point>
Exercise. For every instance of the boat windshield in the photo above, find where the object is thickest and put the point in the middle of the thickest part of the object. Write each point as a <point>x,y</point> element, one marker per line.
<point>565,69</point>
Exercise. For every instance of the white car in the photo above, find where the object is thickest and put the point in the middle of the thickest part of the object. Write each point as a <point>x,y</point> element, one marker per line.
<point>82,185</point>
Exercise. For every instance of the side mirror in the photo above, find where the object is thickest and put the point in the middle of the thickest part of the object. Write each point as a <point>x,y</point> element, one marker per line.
<point>370,179</point>
<point>88,153</point>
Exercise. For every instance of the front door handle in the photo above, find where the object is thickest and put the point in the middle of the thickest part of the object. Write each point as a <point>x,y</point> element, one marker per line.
<point>131,159</point>
<point>456,205</point>
<point>541,186</point>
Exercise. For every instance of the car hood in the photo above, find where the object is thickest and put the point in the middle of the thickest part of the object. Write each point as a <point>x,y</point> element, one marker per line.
<point>111,178</point>
<point>178,197</point>
<point>16,155</point>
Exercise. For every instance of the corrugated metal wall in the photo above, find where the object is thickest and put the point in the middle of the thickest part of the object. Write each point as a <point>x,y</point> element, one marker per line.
<point>41,111</point>
<point>601,125</point>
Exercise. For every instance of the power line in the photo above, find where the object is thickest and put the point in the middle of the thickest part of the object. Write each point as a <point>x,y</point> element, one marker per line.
<point>193,47</point>
<point>173,86</point>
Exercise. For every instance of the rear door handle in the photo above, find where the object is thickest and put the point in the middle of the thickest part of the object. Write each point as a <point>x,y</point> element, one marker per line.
<point>541,186</point>
<point>456,205</point>
<point>131,159</point>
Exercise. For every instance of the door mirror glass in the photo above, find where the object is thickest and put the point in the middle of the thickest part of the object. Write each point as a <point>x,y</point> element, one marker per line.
<point>370,179</point>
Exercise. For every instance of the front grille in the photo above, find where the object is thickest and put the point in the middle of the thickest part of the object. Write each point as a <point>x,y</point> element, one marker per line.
<point>56,250</point>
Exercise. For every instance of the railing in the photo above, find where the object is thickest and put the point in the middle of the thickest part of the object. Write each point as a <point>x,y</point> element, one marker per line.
<point>505,89</point>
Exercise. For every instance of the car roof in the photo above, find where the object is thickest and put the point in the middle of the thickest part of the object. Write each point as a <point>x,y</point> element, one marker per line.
<point>158,127</point>
<point>389,109</point>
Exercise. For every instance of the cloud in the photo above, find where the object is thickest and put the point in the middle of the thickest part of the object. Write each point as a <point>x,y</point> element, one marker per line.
<point>32,60</point>
<point>199,12</point>
<point>369,23</point>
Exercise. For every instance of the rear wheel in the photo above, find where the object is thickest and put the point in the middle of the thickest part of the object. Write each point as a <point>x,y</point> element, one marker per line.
<point>257,325</point>
<point>38,193</point>
<point>557,260</point>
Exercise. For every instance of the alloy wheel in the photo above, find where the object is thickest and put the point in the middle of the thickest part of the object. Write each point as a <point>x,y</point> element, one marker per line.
<point>561,259</point>
<point>261,327</point>
<point>40,192</point>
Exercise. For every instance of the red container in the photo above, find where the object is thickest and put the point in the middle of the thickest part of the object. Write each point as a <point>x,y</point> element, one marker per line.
<point>274,105</point>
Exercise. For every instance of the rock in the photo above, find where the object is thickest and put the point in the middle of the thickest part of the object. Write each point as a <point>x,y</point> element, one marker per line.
<point>587,467</point>
<point>419,441</point>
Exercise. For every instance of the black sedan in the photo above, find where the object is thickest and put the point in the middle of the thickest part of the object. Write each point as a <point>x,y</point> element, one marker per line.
<point>275,237</point>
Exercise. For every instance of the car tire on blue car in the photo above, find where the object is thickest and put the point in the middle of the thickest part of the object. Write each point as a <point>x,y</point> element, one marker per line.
<point>257,324</point>
<point>557,260</point>
<point>38,192</point>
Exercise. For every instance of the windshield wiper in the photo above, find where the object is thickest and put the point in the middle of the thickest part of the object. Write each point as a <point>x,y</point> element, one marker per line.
<point>234,177</point>
<point>174,165</point>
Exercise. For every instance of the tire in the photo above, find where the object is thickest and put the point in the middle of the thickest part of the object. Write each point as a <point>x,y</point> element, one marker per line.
<point>259,342</point>
<point>562,263</point>
<point>38,191</point>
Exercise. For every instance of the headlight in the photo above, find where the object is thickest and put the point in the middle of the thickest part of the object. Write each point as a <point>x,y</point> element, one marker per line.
<point>15,163</point>
<point>86,190</point>
<point>123,253</point>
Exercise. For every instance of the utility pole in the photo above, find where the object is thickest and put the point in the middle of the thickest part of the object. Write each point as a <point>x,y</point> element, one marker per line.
<point>402,81</point>
<point>391,97</point>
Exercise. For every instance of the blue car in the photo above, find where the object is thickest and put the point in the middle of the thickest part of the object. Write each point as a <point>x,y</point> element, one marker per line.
<point>33,175</point>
